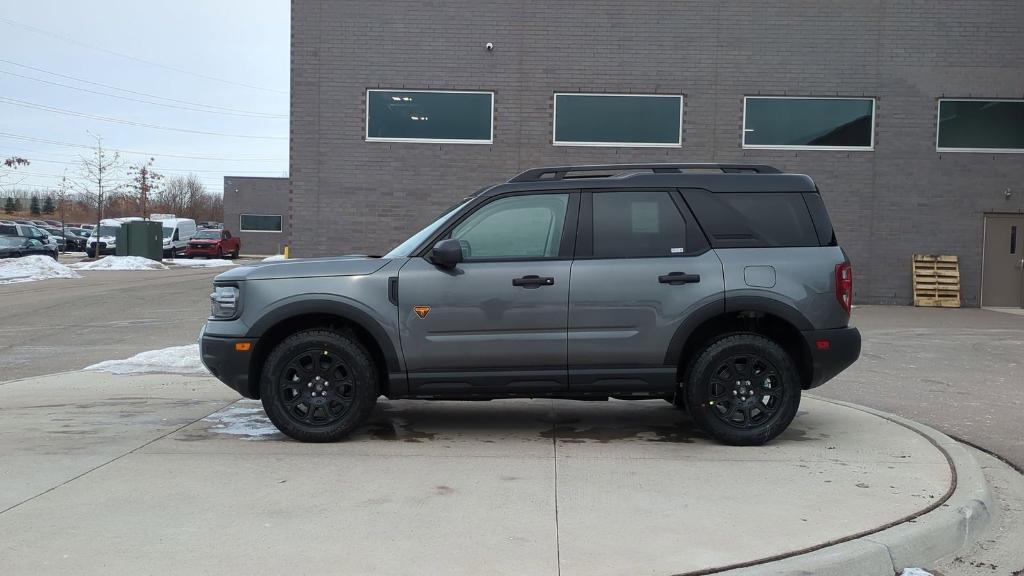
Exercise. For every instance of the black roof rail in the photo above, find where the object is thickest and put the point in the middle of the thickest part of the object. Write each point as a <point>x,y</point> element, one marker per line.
<point>561,172</point>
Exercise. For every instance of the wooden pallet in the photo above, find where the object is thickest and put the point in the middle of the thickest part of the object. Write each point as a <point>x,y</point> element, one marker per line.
<point>936,281</point>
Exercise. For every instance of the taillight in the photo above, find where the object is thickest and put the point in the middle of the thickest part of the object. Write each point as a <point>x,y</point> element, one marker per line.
<point>844,285</point>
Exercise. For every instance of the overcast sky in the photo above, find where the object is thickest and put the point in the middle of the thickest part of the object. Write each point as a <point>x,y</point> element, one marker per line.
<point>215,66</point>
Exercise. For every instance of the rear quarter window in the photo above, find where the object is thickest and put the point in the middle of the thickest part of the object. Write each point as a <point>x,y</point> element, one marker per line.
<point>753,219</point>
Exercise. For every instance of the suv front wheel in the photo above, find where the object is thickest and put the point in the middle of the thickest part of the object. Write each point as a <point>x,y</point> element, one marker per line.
<point>743,390</point>
<point>318,385</point>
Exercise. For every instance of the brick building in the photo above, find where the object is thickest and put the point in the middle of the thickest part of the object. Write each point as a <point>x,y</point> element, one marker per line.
<point>256,210</point>
<point>399,110</point>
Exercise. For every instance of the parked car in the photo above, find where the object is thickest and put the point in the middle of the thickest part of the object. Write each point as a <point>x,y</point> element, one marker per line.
<point>18,246</point>
<point>213,244</point>
<point>723,293</point>
<point>53,223</point>
<point>177,233</point>
<point>104,241</point>
<point>89,227</point>
<point>76,238</point>
<point>71,240</point>
<point>27,231</point>
<point>57,236</point>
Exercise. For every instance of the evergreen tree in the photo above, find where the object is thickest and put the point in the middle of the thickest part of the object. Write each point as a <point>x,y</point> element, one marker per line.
<point>9,205</point>
<point>17,205</point>
<point>48,205</point>
<point>33,206</point>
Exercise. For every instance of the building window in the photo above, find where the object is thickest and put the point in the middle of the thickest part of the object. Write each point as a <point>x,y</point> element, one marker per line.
<point>617,120</point>
<point>444,116</point>
<point>259,223</point>
<point>980,126</point>
<point>809,123</point>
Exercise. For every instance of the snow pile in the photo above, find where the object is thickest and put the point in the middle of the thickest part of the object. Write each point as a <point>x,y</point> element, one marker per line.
<point>212,263</point>
<point>120,263</point>
<point>244,418</point>
<point>274,258</point>
<point>32,268</point>
<point>173,360</point>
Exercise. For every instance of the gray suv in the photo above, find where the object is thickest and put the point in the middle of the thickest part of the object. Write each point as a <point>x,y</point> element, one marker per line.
<point>719,288</point>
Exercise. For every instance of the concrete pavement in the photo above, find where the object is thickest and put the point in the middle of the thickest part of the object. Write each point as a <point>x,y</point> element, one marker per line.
<point>162,474</point>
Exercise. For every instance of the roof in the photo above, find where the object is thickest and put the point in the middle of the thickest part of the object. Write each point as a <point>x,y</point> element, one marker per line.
<point>711,177</point>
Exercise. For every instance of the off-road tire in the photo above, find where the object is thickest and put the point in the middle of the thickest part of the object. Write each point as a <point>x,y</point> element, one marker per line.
<point>717,359</point>
<point>345,349</point>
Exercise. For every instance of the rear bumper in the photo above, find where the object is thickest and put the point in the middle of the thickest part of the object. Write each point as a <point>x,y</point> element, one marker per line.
<point>842,350</point>
<point>227,364</point>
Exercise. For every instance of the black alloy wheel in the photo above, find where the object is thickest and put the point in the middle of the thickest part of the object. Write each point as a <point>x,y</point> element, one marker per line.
<point>318,385</point>
<point>742,389</point>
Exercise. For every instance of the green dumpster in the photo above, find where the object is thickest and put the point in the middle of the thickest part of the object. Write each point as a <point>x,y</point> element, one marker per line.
<point>141,238</point>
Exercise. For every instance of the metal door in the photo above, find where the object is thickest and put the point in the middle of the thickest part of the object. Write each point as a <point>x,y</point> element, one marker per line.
<point>1003,270</point>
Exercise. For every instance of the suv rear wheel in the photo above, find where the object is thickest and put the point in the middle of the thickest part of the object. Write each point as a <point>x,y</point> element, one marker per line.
<point>743,390</point>
<point>318,385</point>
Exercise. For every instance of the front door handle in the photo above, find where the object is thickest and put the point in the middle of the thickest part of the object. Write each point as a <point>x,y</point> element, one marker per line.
<point>676,278</point>
<point>533,281</point>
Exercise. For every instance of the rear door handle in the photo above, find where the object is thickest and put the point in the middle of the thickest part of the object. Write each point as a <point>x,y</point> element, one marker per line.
<point>533,281</point>
<point>676,278</point>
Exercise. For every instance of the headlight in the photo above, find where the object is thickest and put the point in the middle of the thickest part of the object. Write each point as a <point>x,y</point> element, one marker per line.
<point>224,304</point>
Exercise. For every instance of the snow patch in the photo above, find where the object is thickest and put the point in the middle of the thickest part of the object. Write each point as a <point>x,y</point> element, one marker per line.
<point>274,258</point>
<point>174,360</point>
<point>244,418</point>
<point>31,268</point>
<point>120,263</point>
<point>192,263</point>
<point>915,572</point>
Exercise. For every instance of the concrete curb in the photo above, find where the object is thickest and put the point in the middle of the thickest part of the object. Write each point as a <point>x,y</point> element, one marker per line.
<point>918,541</point>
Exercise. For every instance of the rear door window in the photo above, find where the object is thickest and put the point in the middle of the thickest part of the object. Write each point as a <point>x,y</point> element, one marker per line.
<point>753,219</point>
<point>637,225</point>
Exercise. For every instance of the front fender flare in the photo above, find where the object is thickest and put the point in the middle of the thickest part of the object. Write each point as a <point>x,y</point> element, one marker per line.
<point>334,305</point>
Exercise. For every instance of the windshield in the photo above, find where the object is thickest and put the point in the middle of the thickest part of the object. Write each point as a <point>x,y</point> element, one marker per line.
<point>404,249</point>
<point>208,235</point>
<point>109,230</point>
<point>168,232</point>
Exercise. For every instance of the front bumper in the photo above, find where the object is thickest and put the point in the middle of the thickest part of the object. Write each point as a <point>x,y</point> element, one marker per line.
<point>227,364</point>
<point>201,250</point>
<point>842,350</point>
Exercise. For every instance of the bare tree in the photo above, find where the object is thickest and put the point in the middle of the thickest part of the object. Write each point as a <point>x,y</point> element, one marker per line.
<point>195,192</point>
<point>143,182</point>
<point>98,171</point>
<point>172,196</point>
<point>10,165</point>
<point>62,196</point>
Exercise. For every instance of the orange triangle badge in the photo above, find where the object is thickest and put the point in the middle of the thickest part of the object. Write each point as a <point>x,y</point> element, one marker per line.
<point>421,311</point>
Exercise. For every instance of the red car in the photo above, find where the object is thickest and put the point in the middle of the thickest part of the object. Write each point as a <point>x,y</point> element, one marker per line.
<point>213,244</point>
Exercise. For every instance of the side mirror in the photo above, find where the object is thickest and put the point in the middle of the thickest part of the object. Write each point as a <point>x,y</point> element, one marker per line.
<point>446,253</point>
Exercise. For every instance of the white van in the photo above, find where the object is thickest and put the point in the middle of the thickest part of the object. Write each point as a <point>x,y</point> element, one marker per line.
<point>106,236</point>
<point>177,233</point>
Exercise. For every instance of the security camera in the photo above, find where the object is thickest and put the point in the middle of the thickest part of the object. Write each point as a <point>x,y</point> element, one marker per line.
<point>490,46</point>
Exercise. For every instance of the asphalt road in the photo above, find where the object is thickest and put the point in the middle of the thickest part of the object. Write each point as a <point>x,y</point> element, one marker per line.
<point>58,325</point>
<point>958,370</point>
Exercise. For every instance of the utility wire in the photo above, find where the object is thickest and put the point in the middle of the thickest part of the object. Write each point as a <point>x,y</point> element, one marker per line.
<point>129,98</point>
<point>123,151</point>
<point>25,104</point>
<point>15,24</point>
<point>182,170</point>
